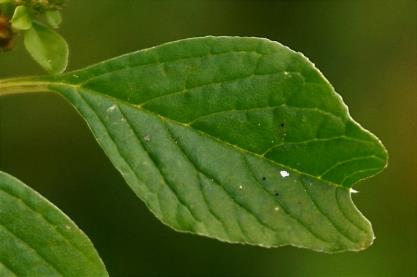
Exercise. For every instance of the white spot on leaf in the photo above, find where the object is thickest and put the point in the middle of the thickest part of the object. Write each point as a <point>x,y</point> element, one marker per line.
<point>111,109</point>
<point>284,173</point>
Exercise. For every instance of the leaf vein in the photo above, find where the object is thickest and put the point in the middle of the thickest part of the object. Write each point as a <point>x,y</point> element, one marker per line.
<point>8,268</point>
<point>216,181</point>
<point>192,89</point>
<point>336,195</point>
<point>233,146</point>
<point>358,171</point>
<point>69,242</point>
<point>158,61</point>
<point>162,174</point>
<point>284,207</point>
<point>206,202</point>
<point>337,164</point>
<point>31,248</point>
<point>199,172</point>
<point>327,216</point>
<point>314,141</point>
<point>262,108</point>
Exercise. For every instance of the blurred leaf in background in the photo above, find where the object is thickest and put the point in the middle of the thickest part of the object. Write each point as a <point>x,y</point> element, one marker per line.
<point>366,49</point>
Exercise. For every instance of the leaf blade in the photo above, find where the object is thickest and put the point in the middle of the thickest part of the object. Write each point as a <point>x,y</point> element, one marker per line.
<point>54,18</point>
<point>185,123</point>
<point>291,80</point>
<point>38,239</point>
<point>21,19</point>
<point>47,48</point>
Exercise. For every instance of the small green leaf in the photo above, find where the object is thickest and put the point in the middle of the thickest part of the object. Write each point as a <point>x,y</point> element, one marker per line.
<point>53,18</point>
<point>21,19</point>
<point>47,48</point>
<point>238,139</point>
<point>37,239</point>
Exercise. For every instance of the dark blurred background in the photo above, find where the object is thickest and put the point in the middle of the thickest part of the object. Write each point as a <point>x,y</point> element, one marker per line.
<point>367,49</point>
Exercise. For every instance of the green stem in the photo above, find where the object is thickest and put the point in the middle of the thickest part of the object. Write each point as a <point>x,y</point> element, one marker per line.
<point>22,85</point>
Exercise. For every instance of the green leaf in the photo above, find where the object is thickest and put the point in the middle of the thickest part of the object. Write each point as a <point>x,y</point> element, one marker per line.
<point>53,18</point>
<point>21,19</point>
<point>47,48</point>
<point>37,239</point>
<point>238,139</point>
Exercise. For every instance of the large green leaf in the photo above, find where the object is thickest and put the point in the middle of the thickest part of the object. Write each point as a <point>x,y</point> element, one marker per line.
<point>37,239</point>
<point>239,139</point>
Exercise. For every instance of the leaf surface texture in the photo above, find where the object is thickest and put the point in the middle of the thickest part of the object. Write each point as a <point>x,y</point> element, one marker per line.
<point>239,139</point>
<point>37,239</point>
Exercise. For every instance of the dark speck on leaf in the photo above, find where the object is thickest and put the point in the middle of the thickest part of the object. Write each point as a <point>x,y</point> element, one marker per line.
<point>264,178</point>
<point>276,194</point>
<point>282,124</point>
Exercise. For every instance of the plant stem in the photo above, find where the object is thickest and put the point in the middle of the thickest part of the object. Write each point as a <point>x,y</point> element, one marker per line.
<point>22,85</point>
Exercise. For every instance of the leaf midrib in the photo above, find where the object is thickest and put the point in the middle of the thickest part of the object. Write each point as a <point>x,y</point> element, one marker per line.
<point>284,208</point>
<point>216,181</point>
<point>79,89</point>
<point>200,171</point>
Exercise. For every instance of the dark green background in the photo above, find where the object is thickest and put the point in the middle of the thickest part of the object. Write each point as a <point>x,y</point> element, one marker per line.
<point>366,49</point>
